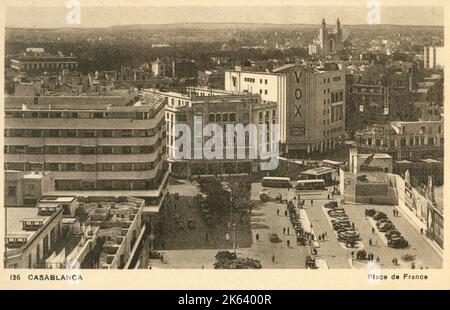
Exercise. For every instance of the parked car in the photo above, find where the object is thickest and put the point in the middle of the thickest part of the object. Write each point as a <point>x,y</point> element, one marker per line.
<point>379,215</point>
<point>370,212</point>
<point>392,233</point>
<point>274,238</point>
<point>398,242</point>
<point>331,205</point>
<point>385,226</point>
<point>264,195</point>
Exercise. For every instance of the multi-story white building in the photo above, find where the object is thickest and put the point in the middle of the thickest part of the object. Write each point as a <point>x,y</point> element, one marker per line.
<point>100,144</point>
<point>433,57</point>
<point>310,103</point>
<point>218,107</point>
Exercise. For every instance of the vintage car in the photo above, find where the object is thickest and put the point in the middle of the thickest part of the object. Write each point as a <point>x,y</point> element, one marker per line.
<point>370,212</point>
<point>331,205</point>
<point>392,233</point>
<point>397,242</point>
<point>264,195</point>
<point>274,238</point>
<point>379,215</point>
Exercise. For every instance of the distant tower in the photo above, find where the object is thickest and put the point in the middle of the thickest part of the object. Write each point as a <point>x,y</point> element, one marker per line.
<point>323,36</point>
<point>340,36</point>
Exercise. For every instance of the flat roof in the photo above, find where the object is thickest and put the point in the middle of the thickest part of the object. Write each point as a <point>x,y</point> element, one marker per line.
<point>318,171</point>
<point>15,216</point>
<point>377,155</point>
<point>429,160</point>
<point>333,162</point>
<point>404,161</point>
<point>49,199</point>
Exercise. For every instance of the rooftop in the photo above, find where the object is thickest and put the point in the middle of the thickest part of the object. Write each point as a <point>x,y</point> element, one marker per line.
<point>319,171</point>
<point>376,155</point>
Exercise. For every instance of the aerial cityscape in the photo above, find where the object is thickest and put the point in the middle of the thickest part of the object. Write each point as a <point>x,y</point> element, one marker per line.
<point>224,145</point>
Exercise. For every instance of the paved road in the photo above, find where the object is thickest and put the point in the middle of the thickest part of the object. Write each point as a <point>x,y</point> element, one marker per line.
<point>424,253</point>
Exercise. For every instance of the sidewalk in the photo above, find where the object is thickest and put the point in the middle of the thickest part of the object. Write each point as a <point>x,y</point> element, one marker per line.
<point>416,222</point>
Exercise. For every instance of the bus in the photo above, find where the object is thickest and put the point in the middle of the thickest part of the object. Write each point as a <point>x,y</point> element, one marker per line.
<point>310,185</point>
<point>278,182</point>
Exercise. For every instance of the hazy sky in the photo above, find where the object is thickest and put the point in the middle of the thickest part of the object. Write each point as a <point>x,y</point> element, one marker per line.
<point>51,17</point>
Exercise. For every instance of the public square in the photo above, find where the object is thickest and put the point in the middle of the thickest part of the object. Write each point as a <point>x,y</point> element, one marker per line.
<point>270,217</point>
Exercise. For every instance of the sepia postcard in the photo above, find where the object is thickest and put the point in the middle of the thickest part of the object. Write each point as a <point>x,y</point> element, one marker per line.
<point>170,145</point>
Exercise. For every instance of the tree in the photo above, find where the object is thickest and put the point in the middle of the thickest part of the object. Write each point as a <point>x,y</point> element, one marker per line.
<point>241,198</point>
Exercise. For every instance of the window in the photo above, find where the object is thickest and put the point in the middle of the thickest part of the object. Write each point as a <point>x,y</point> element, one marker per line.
<point>225,117</point>
<point>126,150</point>
<point>265,92</point>
<point>35,150</point>
<point>53,133</point>
<point>36,133</point>
<point>232,117</point>
<point>127,167</point>
<point>245,116</point>
<point>70,149</point>
<point>218,117</point>
<point>53,149</point>
<point>88,150</point>
<point>53,167</point>
<point>71,167</point>
<point>72,133</point>
<point>11,191</point>
<point>431,141</point>
<point>107,150</point>
<point>107,133</point>
<point>89,133</point>
<point>212,117</point>
<point>127,133</point>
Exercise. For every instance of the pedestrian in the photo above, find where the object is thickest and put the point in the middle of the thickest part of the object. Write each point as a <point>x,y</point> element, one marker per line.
<point>394,212</point>
<point>353,225</point>
<point>288,230</point>
<point>323,236</point>
<point>312,202</point>
<point>378,259</point>
<point>328,196</point>
<point>320,238</point>
<point>162,258</point>
<point>285,213</point>
<point>278,211</point>
<point>273,258</point>
<point>373,230</point>
<point>284,231</point>
<point>288,242</point>
<point>326,235</point>
<point>370,242</point>
<point>413,266</point>
<point>257,237</point>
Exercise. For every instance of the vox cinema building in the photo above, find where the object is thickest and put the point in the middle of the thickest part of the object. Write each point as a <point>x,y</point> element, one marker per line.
<point>310,103</point>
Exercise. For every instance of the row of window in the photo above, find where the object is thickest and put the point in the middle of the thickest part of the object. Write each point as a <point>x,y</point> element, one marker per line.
<point>134,184</point>
<point>332,131</point>
<point>412,141</point>
<point>82,133</point>
<point>76,149</point>
<point>337,96</point>
<point>43,65</point>
<point>223,117</point>
<point>96,115</point>
<point>82,167</point>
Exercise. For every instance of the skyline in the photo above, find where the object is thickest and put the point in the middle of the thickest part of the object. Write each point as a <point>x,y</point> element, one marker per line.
<point>275,15</point>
